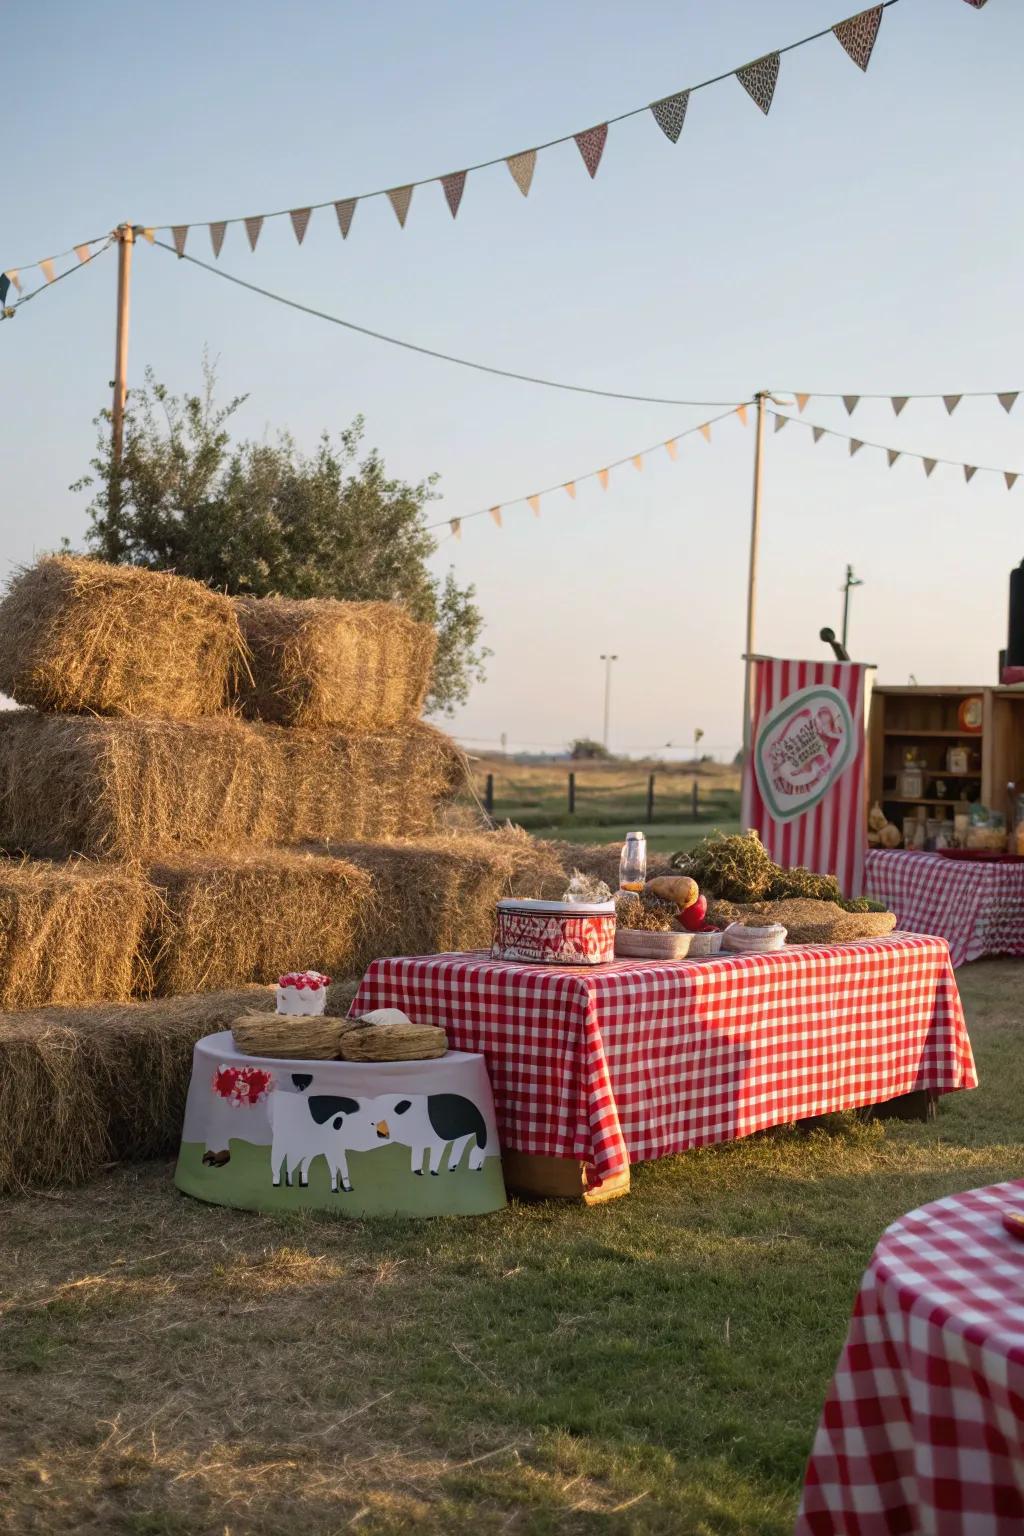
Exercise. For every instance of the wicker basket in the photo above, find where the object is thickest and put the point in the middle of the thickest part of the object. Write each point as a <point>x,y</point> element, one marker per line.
<point>372,1039</point>
<point>642,944</point>
<point>304,1037</point>
<point>702,944</point>
<point>739,940</point>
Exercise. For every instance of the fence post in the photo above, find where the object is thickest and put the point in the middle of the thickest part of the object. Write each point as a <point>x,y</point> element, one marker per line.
<point>572,794</point>
<point>696,801</point>
<point>650,798</point>
<point>489,795</point>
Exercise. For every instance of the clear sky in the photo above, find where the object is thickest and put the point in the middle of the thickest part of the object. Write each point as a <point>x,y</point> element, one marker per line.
<point>865,236</point>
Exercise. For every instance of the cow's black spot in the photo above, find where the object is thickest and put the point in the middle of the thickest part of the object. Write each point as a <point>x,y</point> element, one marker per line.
<point>324,1106</point>
<point>400,1109</point>
<point>338,1123</point>
<point>302,1080</point>
<point>452,1116</point>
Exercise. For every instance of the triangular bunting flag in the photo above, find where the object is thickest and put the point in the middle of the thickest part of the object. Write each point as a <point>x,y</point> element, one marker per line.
<point>13,274</point>
<point>638,461</point>
<point>522,167</point>
<point>741,412</point>
<point>5,287</point>
<point>851,402</point>
<point>46,268</point>
<point>570,486</point>
<point>533,502</point>
<point>970,470</point>
<point>83,252</point>
<point>759,79</point>
<point>780,421</point>
<point>253,226</point>
<point>898,402</point>
<point>929,465</point>
<point>670,114</point>
<point>400,198</point>
<point>801,401</point>
<point>149,233</point>
<point>892,454</point>
<point>590,144</point>
<point>345,209</point>
<point>976,3</point>
<point>951,402</point>
<point>456,527</point>
<point>1009,477</point>
<point>300,218</point>
<point>454,185</point>
<point>858,34</point>
<point>818,433</point>
<point>855,446</point>
<point>496,514</point>
<point>217,233</point>
<point>1008,401</point>
<point>179,234</point>
<point>672,448</point>
<point>602,475</point>
<point>705,431</point>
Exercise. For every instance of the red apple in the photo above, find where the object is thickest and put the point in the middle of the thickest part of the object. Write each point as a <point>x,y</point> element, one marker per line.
<point>693,916</point>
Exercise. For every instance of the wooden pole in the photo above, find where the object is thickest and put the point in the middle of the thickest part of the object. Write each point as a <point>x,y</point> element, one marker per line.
<point>755,530</point>
<point>125,241</point>
<point>650,798</point>
<point>572,794</point>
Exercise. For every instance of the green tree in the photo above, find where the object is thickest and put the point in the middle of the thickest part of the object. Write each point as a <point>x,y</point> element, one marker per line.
<point>265,518</point>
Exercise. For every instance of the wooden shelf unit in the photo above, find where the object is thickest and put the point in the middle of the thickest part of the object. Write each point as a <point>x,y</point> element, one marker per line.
<point>926,718</point>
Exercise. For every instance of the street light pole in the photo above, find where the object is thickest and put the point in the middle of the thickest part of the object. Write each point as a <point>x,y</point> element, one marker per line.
<point>851,581</point>
<point>607,659</point>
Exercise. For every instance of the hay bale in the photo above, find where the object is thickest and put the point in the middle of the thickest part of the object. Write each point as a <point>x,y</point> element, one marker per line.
<point>227,920</point>
<point>306,1036</point>
<point>138,789</point>
<point>78,635</point>
<point>375,1039</point>
<point>602,861</point>
<point>807,921</point>
<point>80,1087</point>
<point>71,933</point>
<point>352,666</point>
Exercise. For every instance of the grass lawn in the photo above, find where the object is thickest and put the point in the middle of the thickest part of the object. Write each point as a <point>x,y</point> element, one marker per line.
<point>652,1366</point>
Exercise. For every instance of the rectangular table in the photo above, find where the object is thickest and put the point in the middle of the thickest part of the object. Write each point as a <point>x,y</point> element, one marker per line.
<point>636,1060</point>
<point>977,907</point>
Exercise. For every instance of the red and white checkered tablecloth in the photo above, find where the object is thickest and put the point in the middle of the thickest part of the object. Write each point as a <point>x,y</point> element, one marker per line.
<point>923,1427</point>
<point>977,907</point>
<point>637,1060</point>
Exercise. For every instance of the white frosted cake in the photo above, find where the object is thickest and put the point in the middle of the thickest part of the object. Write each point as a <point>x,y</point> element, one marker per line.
<point>302,992</point>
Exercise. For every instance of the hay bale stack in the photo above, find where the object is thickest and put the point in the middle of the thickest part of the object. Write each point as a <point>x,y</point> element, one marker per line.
<point>321,663</point>
<point>602,861</point>
<point>80,1087</point>
<point>227,920</point>
<point>71,933</point>
<point>139,789</point>
<point>78,635</point>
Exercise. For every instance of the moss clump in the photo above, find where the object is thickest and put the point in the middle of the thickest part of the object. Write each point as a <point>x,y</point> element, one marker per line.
<point>734,868</point>
<point>792,884</point>
<point>863,904</point>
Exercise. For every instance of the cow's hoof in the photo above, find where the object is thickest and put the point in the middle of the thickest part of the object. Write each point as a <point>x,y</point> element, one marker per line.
<point>418,1172</point>
<point>303,1183</point>
<point>433,1173</point>
<point>347,1188</point>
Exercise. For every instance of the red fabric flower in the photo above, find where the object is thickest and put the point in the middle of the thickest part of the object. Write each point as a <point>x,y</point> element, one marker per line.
<point>242,1086</point>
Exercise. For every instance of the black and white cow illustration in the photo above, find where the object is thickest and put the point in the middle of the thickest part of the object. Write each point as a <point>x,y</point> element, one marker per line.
<point>326,1125</point>
<point>435,1122</point>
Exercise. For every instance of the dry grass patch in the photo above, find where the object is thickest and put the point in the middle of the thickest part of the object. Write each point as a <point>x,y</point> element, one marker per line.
<point>351,666</point>
<point>76,634</point>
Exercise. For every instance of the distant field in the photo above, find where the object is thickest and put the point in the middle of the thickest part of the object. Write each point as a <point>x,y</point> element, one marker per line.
<point>611,799</point>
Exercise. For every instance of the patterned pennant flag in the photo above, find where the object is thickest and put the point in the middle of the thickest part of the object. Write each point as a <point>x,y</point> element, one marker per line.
<point>929,465</point>
<point>590,144</point>
<point>496,514</point>
<point>892,454</point>
<point>951,402</point>
<point>83,252</point>
<point>300,218</point>
<point>780,422</point>
<point>253,226</point>
<point>670,114</point>
<point>976,3</point>
<point>858,34</point>
<point>217,233</point>
<point>818,433</point>
<point>672,448</point>
<point>855,446</point>
<point>602,475</point>
<point>179,234</point>
<point>970,470</point>
<point>1009,477</point>
<point>15,277</point>
<point>1008,401</point>
<point>741,412</point>
<point>400,198</point>
<point>705,431</point>
<point>898,402</point>
<point>570,486</point>
<point>522,167</point>
<point>801,401</point>
<point>759,79</point>
<point>46,268</point>
<point>454,185</point>
<point>851,402</point>
<point>638,461</point>
<point>149,233</point>
<point>533,502</point>
<point>456,527</point>
<point>345,209</point>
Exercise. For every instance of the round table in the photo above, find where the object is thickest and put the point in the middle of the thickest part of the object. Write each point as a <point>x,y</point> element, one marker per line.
<point>406,1138</point>
<point>923,1425</point>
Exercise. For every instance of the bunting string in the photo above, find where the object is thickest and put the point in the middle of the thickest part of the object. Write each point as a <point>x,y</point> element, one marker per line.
<point>602,475</point>
<point>855,444</point>
<point>1007,398</point>
<point>12,279</point>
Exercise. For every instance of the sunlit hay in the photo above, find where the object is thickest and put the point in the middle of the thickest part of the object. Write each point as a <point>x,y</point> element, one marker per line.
<point>309,1038</point>
<point>82,1086</point>
<point>134,789</point>
<point>806,921</point>
<point>734,868</point>
<point>351,666</point>
<point>227,920</point>
<point>366,1040</point>
<point>76,634</point>
<point>602,860</point>
<point>646,914</point>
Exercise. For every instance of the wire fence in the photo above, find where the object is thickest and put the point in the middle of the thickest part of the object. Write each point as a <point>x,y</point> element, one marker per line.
<point>601,800</point>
